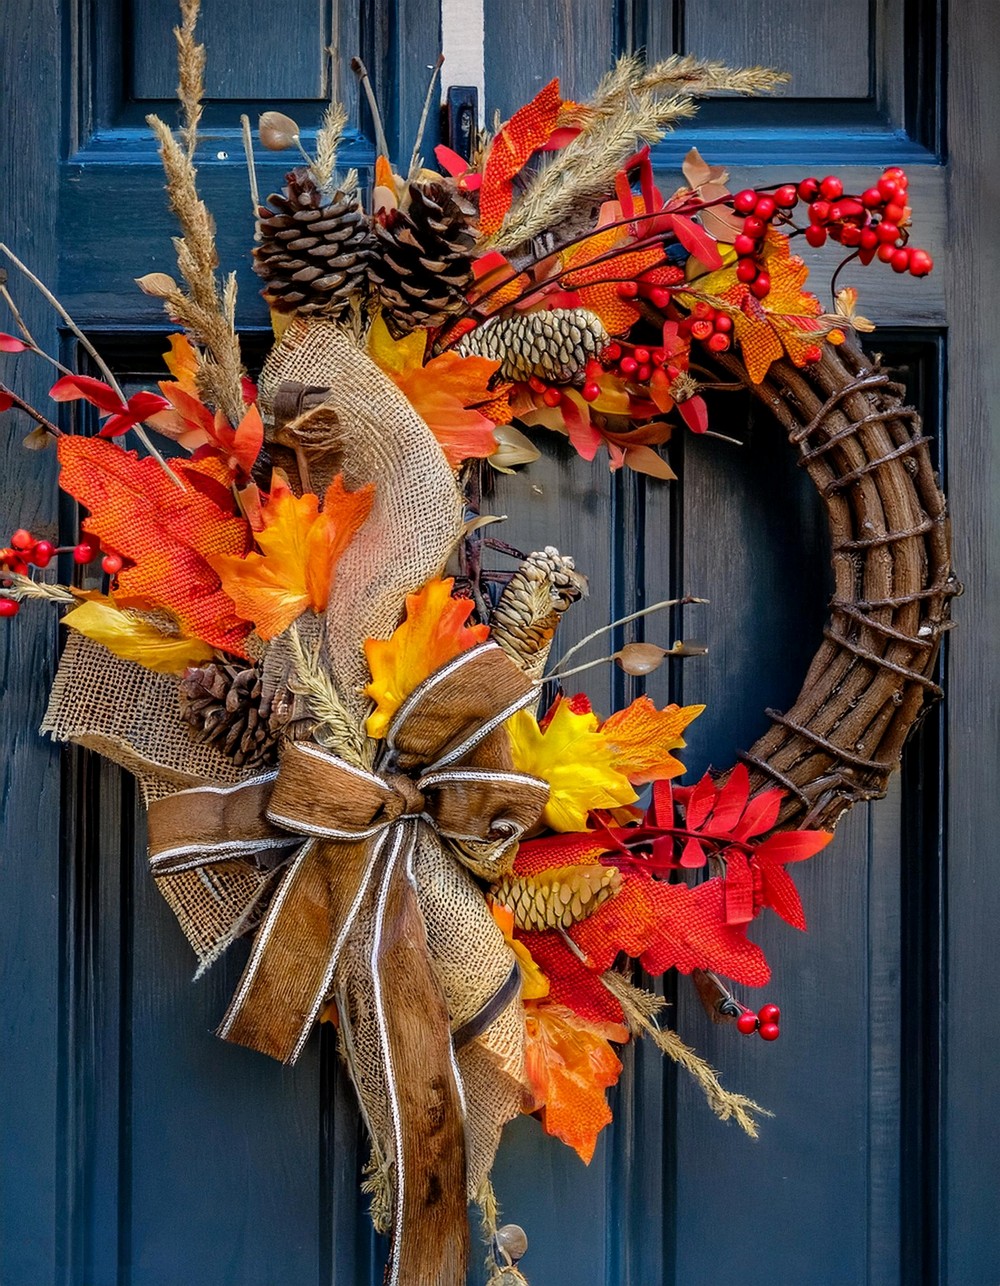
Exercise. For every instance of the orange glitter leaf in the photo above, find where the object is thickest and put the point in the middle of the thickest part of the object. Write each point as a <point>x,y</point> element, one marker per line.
<point>642,737</point>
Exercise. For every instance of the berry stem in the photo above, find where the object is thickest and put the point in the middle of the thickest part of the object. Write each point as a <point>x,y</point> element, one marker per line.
<point>37,416</point>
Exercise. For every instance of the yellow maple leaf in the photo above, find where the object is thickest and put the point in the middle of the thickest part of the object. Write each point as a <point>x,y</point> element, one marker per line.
<point>132,638</point>
<point>299,546</point>
<point>575,759</point>
<point>642,737</point>
<point>568,1064</point>
<point>451,394</point>
<point>534,984</point>
<point>181,361</point>
<point>433,632</point>
<point>784,321</point>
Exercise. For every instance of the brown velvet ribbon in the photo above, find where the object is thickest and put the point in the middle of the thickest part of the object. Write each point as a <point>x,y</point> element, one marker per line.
<point>341,841</point>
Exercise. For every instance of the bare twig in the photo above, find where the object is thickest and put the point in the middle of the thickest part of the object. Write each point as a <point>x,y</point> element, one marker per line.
<point>361,71</point>
<point>623,620</point>
<point>422,125</point>
<point>28,409</point>
<point>251,168</point>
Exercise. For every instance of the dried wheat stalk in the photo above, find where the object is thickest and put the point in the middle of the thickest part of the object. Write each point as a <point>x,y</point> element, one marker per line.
<point>24,587</point>
<point>191,72</point>
<point>328,137</point>
<point>335,729</point>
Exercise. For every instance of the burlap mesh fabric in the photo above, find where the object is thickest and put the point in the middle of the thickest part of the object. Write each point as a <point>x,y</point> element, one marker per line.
<point>131,715</point>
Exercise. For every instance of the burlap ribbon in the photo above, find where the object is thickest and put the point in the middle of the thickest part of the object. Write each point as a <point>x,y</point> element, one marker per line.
<point>344,839</point>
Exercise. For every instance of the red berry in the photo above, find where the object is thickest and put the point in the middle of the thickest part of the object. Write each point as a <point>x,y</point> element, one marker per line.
<point>809,189</point>
<point>871,198</point>
<point>628,366</point>
<point>894,213</point>
<point>813,353</point>
<point>746,270</point>
<point>920,263</point>
<point>84,553</point>
<point>643,373</point>
<point>786,196</point>
<point>869,239</point>
<point>889,188</point>
<point>765,208</point>
<point>43,554</point>
<point>552,397</point>
<point>111,564</point>
<point>747,1023</point>
<point>718,342</point>
<point>887,233</point>
<point>815,235</point>
<point>754,227</point>
<point>831,188</point>
<point>8,607</point>
<point>744,202</point>
<point>819,212</point>
<point>536,385</point>
<point>762,285</point>
<point>641,355</point>
<point>895,172</point>
<point>22,539</point>
<point>769,1031</point>
<point>723,322</point>
<point>900,260</point>
<point>702,328</point>
<point>659,355</point>
<point>769,1013</point>
<point>885,253</point>
<point>850,235</point>
<point>589,393</point>
<point>744,245</point>
<point>628,289</point>
<point>659,297</point>
<point>612,352</point>
<point>702,310</point>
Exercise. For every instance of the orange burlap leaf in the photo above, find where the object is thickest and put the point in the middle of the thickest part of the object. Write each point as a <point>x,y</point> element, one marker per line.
<point>169,532</point>
<point>528,129</point>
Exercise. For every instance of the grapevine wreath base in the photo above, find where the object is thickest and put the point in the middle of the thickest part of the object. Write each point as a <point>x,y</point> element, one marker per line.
<point>341,719</point>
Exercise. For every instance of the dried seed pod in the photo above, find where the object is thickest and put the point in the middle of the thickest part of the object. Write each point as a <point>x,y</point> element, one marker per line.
<point>640,658</point>
<point>511,1241</point>
<point>159,284</point>
<point>277,132</point>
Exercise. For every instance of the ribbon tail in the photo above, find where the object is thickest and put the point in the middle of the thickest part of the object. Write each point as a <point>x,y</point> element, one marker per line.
<point>426,1108</point>
<point>295,953</point>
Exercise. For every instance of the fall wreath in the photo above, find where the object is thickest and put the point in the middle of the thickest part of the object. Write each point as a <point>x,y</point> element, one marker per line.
<point>353,747</point>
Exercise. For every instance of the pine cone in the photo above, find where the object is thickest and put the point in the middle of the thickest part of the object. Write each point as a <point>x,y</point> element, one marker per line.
<point>558,898</point>
<point>555,345</point>
<point>314,251</point>
<point>424,268</point>
<point>531,606</point>
<point>222,704</point>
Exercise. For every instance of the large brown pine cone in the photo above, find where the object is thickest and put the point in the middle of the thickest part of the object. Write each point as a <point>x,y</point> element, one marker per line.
<point>222,704</point>
<point>424,265</point>
<point>314,250</point>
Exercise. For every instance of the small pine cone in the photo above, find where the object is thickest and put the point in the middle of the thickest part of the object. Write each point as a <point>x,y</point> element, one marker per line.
<point>531,607</point>
<point>555,346</point>
<point>222,705</point>
<point>424,265</point>
<point>558,898</point>
<point>314,250</point>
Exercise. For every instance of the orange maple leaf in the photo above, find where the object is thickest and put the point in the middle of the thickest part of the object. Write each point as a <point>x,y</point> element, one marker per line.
<point>433,632</point>
<point>171,533</point>
<point>568,1064</point>
<point>784,321</point>
<point>642,737</point>
<point>451,394</point>
<point>299,550</point>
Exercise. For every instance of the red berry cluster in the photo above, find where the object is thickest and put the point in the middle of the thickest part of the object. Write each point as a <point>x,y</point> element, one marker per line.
<point>25,551</point>
<point>709,325</point>
<point>633,363</point>
<point>871,223</point>
<point>652,286</point>
<point>765,1021</point>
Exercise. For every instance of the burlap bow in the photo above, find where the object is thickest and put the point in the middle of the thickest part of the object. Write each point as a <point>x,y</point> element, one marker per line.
<point>345,840</point>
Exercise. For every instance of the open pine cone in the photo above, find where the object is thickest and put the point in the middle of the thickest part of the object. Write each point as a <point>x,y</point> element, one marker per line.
<point>314,250</point>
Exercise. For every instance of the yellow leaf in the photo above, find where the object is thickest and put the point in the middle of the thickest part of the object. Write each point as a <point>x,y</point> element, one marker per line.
<point>432,633</point>
<point>568,1064</point>
<point>534,984</point>
<point>451,394</point>
<point>575,759</point>
<point>641,738</point>
<point>299,550</point>
<point>131,638</point>
<point>182,362</point>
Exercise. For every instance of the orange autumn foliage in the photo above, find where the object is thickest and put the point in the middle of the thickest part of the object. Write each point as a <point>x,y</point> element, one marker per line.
<point>642,737</point>
<point>171,533</point>
<point>433,632</point>
<point>568,1064</point>
<point>300,547</point>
